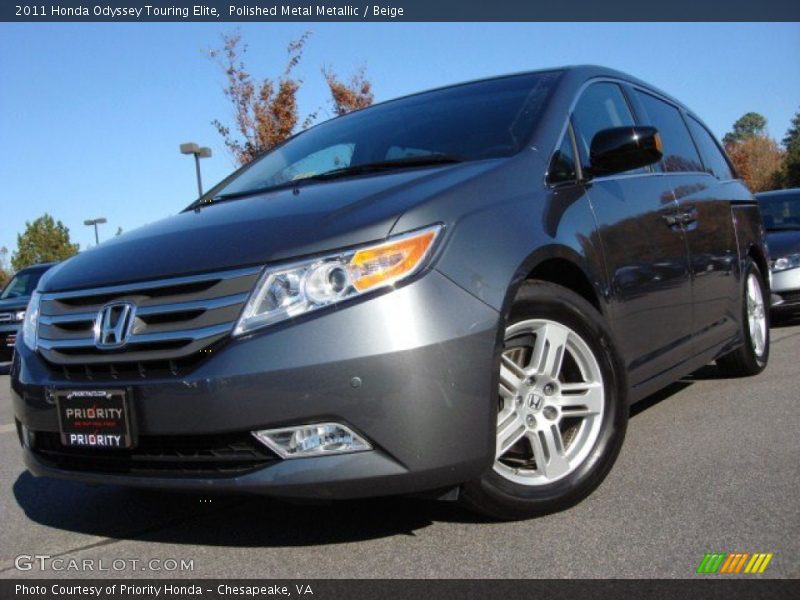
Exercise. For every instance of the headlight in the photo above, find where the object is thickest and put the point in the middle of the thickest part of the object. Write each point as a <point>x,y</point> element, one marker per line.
<point>786,262</point>
<point>19,316</point>
<point>286,291</point>
<point>31,322</point>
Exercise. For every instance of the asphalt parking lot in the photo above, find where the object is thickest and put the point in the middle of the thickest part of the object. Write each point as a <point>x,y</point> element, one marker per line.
<point>710,464</point>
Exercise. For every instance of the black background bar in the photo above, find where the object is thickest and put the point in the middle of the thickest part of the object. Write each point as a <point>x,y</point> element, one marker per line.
<point>414,10</point>
<point>703,586</point>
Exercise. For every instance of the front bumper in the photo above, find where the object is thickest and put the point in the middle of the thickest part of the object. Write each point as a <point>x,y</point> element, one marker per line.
<point>425,357</point>
<point>786,290</point>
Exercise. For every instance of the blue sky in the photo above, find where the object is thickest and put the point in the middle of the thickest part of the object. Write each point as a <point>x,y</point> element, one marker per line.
<point>91,115</point>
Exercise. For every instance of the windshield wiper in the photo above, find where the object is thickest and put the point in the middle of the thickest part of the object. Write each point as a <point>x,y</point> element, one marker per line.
<point>248,192</point>
<point>360,169</point>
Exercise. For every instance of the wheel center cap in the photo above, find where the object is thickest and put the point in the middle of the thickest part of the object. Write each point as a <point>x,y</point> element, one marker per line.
<point>535,401</point>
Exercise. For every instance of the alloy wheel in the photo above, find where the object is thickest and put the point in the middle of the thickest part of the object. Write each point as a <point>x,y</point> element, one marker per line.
<point>551,403</point>
<point>756,315</point>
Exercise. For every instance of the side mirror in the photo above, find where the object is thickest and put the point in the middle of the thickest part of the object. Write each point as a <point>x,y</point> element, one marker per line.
<point>624,148</point>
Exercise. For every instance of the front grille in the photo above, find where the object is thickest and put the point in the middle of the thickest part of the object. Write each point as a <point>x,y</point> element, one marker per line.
<point>175,320</point>
<point>6,318</point>
<point>114,371</point>
<point>222,455</point>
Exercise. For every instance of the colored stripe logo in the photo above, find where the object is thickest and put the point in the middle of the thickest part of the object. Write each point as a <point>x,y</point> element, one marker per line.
<point>734,563</point>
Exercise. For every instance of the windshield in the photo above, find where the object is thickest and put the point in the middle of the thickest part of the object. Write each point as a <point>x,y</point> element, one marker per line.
<point>21,285</point>
<point>487,119</point>
<point>780,211</point>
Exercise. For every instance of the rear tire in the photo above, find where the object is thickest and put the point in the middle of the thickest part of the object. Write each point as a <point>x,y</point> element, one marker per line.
<point>752,356</point>
<point>562,407</point>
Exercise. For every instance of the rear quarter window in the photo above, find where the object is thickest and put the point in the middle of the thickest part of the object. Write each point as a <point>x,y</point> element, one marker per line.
<point>713,159</point>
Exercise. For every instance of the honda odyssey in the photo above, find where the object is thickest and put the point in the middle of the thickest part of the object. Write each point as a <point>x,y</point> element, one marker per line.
<point>456,293</point>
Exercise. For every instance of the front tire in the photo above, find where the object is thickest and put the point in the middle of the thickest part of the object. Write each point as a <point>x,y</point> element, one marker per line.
<point>752,356</point>
<point>562,409</point>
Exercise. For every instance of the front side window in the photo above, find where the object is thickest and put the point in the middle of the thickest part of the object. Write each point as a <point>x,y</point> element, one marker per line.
<point>601,106</point>
<point>475,121</point>
<point>712,156</point>
<point>680,153</point>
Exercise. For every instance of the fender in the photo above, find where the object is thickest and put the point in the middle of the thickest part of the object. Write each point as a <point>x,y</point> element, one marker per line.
<point>594,274</point>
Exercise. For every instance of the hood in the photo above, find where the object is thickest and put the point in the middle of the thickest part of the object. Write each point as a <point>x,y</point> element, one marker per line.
<point>268,227</point>
<point>14,304</point>
<point>783,243</point>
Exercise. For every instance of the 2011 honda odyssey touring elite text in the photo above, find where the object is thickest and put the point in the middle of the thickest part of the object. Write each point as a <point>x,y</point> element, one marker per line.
<point>459,292</point>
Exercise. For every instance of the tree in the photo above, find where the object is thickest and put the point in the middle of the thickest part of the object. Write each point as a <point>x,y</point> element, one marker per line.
<point>749,125</point>
<point>44,240</point>
<point>757,157</point>
<point>5,271</point>
<point>758,160</point>
<point>265,113</point>
<point>348,96</point>
<point>791,164</point>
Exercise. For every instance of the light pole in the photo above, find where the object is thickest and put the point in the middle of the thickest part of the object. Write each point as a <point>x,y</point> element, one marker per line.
<point>192,148</point>
<point>95,222</point>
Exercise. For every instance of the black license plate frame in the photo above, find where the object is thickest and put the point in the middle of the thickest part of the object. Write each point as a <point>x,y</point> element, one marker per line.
<point>97,419</point>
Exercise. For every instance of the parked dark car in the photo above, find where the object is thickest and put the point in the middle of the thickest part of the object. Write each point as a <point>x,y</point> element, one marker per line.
<point>781,213</point>
<point>459,292</point>
<point>13,301</point>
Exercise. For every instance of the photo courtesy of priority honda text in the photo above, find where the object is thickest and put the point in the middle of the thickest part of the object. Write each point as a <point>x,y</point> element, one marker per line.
<point>458,294</point>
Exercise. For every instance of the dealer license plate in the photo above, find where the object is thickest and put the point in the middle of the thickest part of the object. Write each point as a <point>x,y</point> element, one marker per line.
<point>94,418</point>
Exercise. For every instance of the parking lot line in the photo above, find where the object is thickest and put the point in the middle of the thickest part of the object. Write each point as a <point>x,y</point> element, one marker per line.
<point>8,428</point>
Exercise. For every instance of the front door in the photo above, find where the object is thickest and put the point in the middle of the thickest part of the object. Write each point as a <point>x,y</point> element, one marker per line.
<point>644,246</point>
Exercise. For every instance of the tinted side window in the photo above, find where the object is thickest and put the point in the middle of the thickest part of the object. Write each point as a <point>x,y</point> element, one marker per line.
<point>562,165</point>
<point>601,106</point>
<point>712,156</point>
<point>680,153</point>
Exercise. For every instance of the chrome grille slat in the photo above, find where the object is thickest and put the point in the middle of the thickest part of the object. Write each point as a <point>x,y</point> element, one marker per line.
<point>66,343</point>
<point>174,320</point>
<point>68,318</point>
<point>6,317</point>
<point>88,318</point>
<point>121,290</point>
<point>192,335</point>
<point>222,302</point>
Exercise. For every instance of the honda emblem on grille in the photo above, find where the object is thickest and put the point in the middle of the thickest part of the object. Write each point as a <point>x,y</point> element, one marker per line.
<point>114,325</point>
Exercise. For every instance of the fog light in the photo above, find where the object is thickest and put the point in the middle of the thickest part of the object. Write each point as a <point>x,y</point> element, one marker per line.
<point>312,440</point>
<point>26,436</point>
